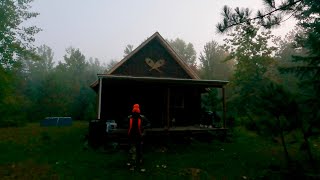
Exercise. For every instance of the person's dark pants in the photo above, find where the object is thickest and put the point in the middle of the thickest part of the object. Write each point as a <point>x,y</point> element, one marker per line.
<point>135,149</point>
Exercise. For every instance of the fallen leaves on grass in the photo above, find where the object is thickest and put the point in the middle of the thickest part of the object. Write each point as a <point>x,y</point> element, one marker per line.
<point>193,172</point>
<point>26,170</point>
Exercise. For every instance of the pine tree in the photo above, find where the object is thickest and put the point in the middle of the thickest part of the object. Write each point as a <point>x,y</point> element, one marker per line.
<point>307,13</point>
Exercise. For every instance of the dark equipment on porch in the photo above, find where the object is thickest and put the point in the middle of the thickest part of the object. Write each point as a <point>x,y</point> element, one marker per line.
<point>96,133</point>
<point>210,119</point>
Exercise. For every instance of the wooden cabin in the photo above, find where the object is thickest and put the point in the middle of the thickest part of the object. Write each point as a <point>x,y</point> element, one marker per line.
<point>155,77</point>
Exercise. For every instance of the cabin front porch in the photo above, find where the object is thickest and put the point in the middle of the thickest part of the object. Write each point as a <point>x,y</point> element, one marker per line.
<point>166,102</point>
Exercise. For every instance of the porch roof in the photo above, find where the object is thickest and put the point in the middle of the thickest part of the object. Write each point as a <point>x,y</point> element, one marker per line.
<point>201,83</point>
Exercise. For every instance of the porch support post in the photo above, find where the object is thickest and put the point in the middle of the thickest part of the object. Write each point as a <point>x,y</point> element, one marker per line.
<point>224,107</point>
<point>100,90</point>
<point>168,108</point>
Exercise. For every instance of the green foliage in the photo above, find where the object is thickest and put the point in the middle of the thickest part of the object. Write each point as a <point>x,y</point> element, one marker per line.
<point>15,39</point>
<point>66,90</point>
<point>278,101</point>
<point>6,78</point>
<point>38,89</point>
<point>81,96</point>
<point>270,17</point>
<point>286,49</point>
<point>111,64</point>
<point>210,100</point>
<point>185,50</point>
<point>262,105</point>
<point>36,72</point>
<point>253,59</point>
<point>12,99</point>
<point>75,63</point>
<point>278,104</point>
<point>128,50</point>
<point>212,64</point>
<point>16,44</point>
<point>307,40</point>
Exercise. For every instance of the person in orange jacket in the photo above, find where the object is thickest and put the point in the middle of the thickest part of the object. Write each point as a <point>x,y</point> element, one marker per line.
<point>137,124</point>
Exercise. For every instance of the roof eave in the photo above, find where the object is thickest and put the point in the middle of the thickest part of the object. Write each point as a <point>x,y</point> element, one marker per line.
<point>200,82</point>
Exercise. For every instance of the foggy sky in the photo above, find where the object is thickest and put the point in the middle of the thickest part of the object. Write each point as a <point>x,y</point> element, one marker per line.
<point>102,28</point>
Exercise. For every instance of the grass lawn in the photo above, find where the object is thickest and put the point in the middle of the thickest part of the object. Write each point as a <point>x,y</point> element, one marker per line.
<point>34,152</point>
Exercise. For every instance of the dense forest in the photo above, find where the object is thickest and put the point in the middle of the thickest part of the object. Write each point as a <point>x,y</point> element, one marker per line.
<point>274,81</point>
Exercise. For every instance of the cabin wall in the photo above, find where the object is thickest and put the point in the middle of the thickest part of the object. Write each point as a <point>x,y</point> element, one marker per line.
<point>184,103</point>
<point>117,102</point>
<point>187,112</point>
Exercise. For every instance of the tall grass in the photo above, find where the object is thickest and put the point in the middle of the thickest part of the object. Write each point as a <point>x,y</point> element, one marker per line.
<point>34,152</point>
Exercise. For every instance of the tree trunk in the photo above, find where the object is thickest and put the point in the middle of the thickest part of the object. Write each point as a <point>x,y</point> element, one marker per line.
<point>306,141</point>
<point>286,154</point>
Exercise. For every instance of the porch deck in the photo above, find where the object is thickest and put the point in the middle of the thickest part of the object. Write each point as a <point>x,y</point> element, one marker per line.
<point>180,129</point>
<point>180,134</point>
<point>174,134</point>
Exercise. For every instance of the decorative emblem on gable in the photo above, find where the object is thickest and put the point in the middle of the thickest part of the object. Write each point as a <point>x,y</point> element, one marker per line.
<point>155,65</point>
